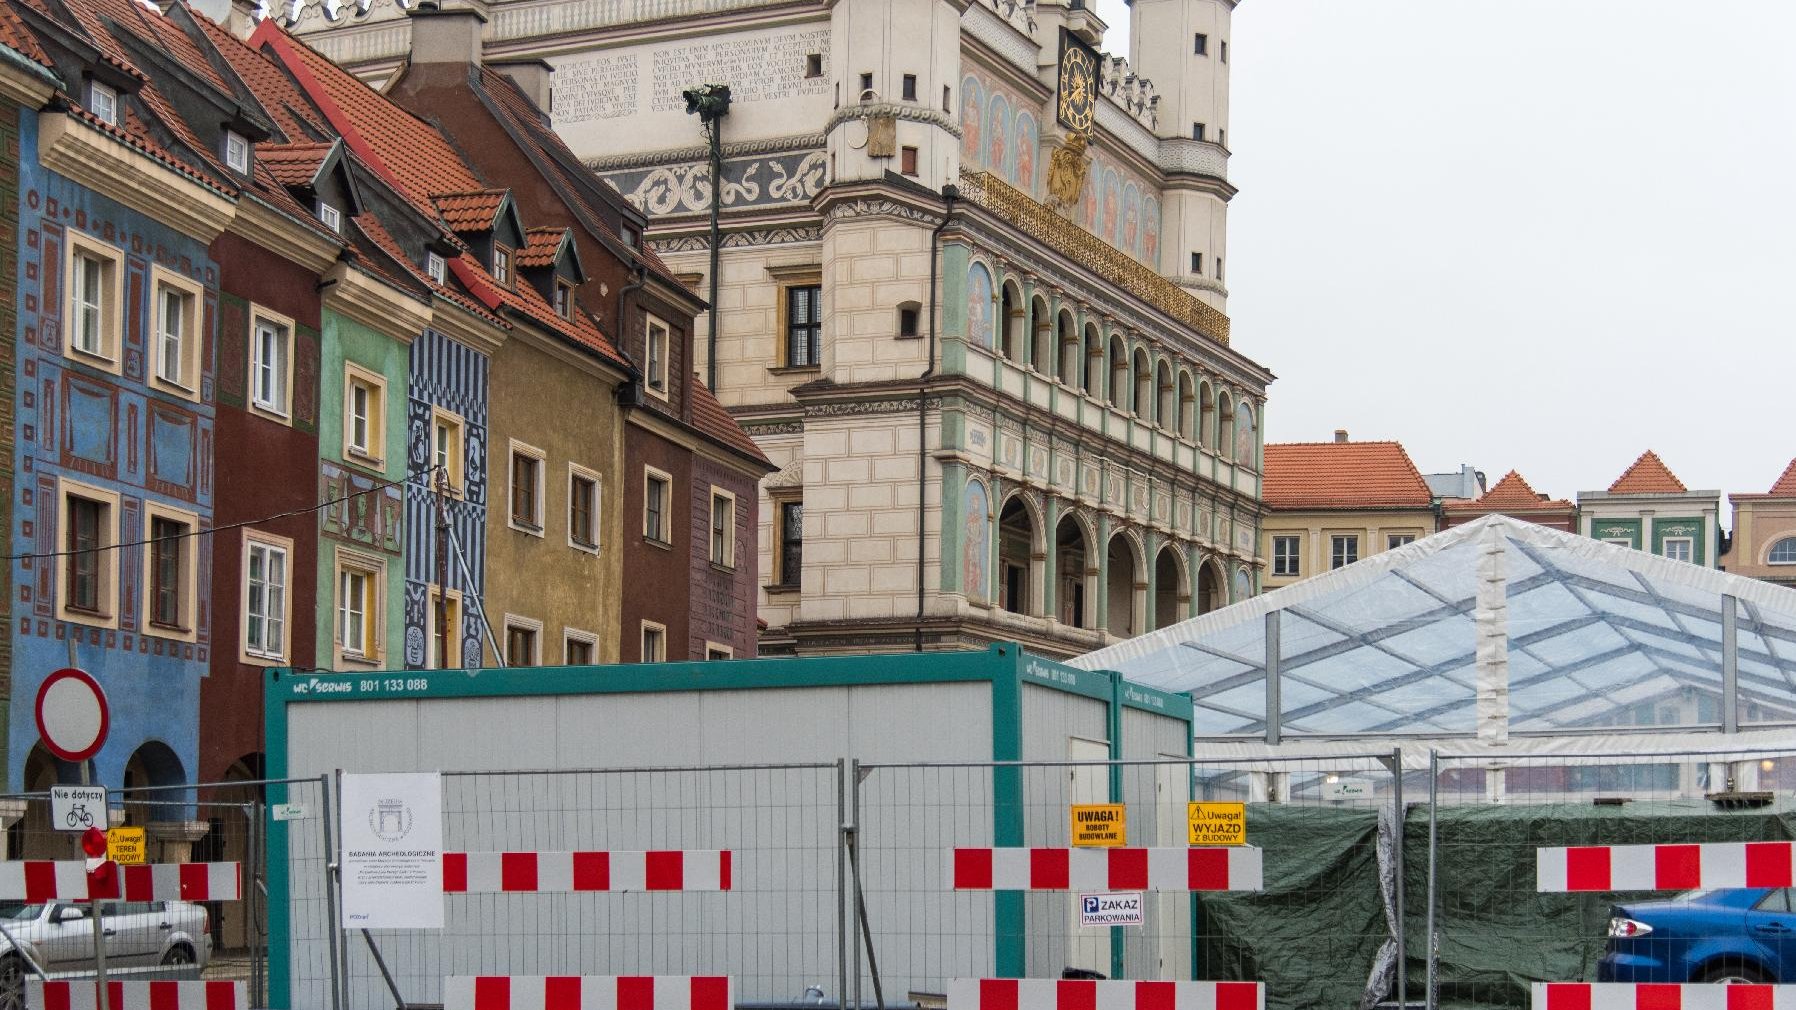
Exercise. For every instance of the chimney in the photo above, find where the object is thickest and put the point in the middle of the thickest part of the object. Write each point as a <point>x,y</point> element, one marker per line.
<point>1340,434</point>
<point>535,78</point>
<point>448,31</point>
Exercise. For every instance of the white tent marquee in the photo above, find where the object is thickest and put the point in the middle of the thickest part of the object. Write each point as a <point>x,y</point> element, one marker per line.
<point>1499,636</point>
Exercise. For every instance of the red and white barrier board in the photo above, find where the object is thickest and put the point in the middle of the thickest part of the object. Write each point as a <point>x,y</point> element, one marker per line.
<point>57,995</point>
<point>1230,868</point>
<point>1062,994</point>
<point>1669,996</point>
<point>1665,867</point>
<point>525,872</point>
<point>36,880</point>
<point>588,992</point>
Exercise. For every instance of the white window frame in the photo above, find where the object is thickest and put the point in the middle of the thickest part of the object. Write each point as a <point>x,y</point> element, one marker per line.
<point>374,453</point>
<point>1334,540</point>
<point>1771,550</point>
<point>713,647</point>
<point>433,593</point>
<point>563,299</point>
<point>1295,558</point>
<point>283,410</point>
<point>576,472</point>
<point>515,449</point>
<point>654,366</point>
<point>729,529</point>
<point>236,151</point>
<point>107,595</point>
<point>188,629</point>
<point>331,216</point>
<point>1688,543</point>
<point>109,306</point>
<point>258,653</point>
<point>436,267</point>
<point>1391,540</point>
<point>457,457</point>
<point>186,384</point>
<point>530,624</point>
<point>571,635</point>
<point>502,265</point>
<point>1620,542</point>
<point>661,631</point>
<point>103,102</point>
<point>659,536</point>
<point>373,606</point>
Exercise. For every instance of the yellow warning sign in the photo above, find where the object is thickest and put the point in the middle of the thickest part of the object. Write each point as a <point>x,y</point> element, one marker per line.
<point>126,846</point>
<point>1217,823</point>
<point>1100,824</point>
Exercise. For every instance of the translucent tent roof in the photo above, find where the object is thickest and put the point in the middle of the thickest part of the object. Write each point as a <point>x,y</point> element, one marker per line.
<point>1494,628</point>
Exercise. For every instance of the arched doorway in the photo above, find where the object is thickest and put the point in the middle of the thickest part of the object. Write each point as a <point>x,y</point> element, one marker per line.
<point>1072,353</point>
<point>228,811</point>
<point>1010,319</point>
<point>150,770</point>
<point>1041,325</point>
<point>1072,564</point>
<point>1171,599</point>
<point>33,836</point>
<point>1016,559</point>
<point>1123,617</point>
<point>1210,592</point>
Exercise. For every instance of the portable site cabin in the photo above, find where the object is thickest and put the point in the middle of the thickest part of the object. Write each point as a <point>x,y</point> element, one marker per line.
<point>739,755</point>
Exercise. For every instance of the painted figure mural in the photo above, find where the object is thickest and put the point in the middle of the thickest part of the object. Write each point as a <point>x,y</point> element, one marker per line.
<point>1028,139</point>
<point>972,117</point>
<point>977,558</point>
<point>981,331</point>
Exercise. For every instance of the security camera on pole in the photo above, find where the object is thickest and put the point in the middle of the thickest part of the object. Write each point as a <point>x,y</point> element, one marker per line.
<point>72,721</point>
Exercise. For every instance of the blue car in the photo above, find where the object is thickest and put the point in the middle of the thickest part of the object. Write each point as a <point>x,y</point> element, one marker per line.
<point>1740,935</point>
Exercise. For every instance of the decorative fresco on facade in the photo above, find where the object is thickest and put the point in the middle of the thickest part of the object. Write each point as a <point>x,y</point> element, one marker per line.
<point>761,180</point>
<point>977,558</point>
<point>452,377</point>
<point>981,312</point>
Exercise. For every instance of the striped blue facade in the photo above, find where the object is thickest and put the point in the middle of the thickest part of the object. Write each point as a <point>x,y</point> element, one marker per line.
<point>452,376</point>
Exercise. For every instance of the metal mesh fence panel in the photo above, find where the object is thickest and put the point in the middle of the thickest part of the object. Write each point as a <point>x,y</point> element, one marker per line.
<point>1319,933</point>
<point>1502,921</point>
<point>776,930</point>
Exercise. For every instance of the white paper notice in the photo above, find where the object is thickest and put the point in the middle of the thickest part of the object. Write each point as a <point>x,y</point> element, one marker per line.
<point>392,851</point>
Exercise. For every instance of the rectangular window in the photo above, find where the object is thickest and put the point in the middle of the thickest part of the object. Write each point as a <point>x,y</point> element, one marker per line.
<point>1197,131</point>
<point>102,101</point>
<point>907,320</point>
<point>656,341</point>
<point>723,528</point>
<point>88,536</point>
<point>578,647</point>
<point>1396,540</point>
<point>1200,45</point>
<point>1343,551</point>
<point>271,351</point>
<point>907,160</point>
<point>436,267</point>
<point>1286,554</point>
<point>359,606</point>
<point>526,488</point>
<point>168,547</point>
<point>88,295</point>
<point>657,494</point>
<point>564,300</point>
<point>446,449</point>
<point>502,265</point>
<point>866,85</point>
<point>714,651</point>
<point>1225,50</point>
<point>1619,542</point>
<point>813,65</point>
<point>947,99</point>
<point>521,638</point>
<point>177,338</point>
<point>790,564</point>
<point>1219,268</point>
<point>910,87</point>
<point>654,642</point>
<point>364,411</point>
<point>1678,548</point>
<point>265,598</point>
<point>804,325</point>
<point>1222,137</point>
<point>93,270</point>
<point>88,521</point>
<point>236,151</point>
<point>1197,264</point>
<point>331,216</point>
<point>445,630</point>
<point>582,508</point>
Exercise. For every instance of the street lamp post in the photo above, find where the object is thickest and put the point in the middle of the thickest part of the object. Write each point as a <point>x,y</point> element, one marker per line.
<point>711,102</point>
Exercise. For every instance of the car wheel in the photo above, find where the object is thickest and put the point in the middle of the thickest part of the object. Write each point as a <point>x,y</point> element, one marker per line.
<point>177,955</point>
<point>12,983</point>
<point>1737,974</point>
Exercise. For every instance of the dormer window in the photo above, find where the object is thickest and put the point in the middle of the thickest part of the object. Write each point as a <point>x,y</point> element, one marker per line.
<point>331,216</point>
<point>236,151</point>
<point>436,267</point>
<point>102,101</point>
<point>630,237</point>
<point>502,265</point>
<point>564,299</point>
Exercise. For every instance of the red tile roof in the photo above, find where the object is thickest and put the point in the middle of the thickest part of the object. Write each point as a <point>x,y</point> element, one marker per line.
<point>1513,493</point>
<point>1342,475</point>
<point>710,417</point>
<point>293,114</point>
<point>15,36</point>
<point>540,247</point>
<point>1786,485</point>
<point>468,212</point>
<point>1648,475</point>
<point>293,164</point>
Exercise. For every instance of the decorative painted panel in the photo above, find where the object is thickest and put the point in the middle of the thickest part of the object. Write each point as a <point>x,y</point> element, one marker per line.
<point>982,309</point>
<point>762,180</point>
<point>452,376</point>
<point>976,560</point>
<point>370,518</point>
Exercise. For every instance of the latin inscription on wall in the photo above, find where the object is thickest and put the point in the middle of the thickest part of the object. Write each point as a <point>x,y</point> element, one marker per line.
<point>757,68</point>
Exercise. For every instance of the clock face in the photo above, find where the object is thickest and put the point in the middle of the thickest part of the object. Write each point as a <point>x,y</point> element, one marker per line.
<point>1078,85</point>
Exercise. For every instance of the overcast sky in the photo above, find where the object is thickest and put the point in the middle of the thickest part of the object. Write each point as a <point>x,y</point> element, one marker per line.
<point>1535,234</point>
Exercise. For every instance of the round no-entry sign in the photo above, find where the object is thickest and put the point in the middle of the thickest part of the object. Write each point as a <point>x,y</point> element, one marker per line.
<point>72,717</point>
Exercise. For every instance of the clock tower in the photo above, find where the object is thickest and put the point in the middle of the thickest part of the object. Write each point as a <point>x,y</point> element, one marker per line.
<point>1183,46</point>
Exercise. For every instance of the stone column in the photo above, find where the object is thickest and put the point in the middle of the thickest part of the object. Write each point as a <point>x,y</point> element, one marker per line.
<point>173,841</point>
<point>11,813</point>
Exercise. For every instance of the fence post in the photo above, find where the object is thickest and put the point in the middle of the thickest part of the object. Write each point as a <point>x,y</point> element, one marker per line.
<point>1434,780</point>
<point>842,899</point>
<point>1274,703</point>
<point>330,890</point>
<point>849,830</point>
<point>252,906</point>
<point>1397,833</point>
<point>1730,665</point>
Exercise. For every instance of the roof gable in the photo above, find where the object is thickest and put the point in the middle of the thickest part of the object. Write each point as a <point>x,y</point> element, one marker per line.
<point>1343,475</point>
<point>1648,475</point>
<point>1785,487</point>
